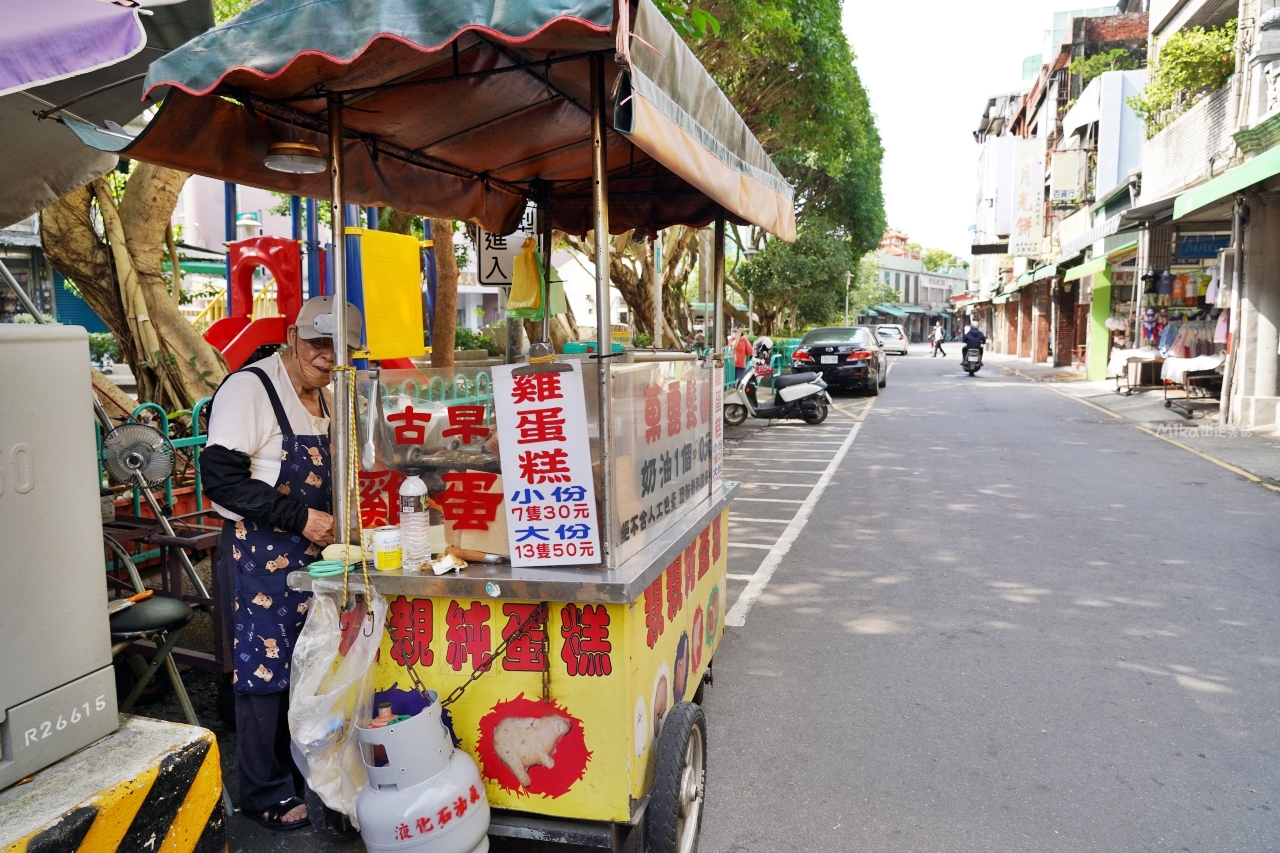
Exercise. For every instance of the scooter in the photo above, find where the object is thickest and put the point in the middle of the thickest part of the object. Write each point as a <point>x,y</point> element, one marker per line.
<point>972,361</point>
<point>800,396</point>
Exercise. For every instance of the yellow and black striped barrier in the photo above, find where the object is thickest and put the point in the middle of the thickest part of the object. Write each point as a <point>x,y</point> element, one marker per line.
<point>156,788</point>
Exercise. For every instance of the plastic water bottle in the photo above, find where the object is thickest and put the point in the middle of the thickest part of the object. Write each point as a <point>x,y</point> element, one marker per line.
<point>415,521</point>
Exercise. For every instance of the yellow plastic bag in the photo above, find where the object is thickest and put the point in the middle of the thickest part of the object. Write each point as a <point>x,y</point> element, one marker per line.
<point>525,301</point>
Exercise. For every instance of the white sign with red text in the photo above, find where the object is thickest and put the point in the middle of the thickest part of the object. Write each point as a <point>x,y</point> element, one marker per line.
<point>546,467</point>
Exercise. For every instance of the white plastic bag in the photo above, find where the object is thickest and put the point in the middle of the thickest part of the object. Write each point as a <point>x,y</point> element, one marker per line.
<point>330,693</point>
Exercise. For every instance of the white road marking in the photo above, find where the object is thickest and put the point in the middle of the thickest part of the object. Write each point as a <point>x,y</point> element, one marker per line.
<point>773,470</point>
<point>768,500</point>
<point>742,518</point>
<point>738,614</point>
<point>733,544</point>
<point>739,577</point>
<point>788,438</point>
<point>787,485</point>
<point>810,455</point>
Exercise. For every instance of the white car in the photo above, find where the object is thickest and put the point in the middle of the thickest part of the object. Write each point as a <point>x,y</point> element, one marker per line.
<point>893,338</point>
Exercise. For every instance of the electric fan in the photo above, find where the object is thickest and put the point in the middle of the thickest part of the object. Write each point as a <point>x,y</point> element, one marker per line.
<point>138,455</point>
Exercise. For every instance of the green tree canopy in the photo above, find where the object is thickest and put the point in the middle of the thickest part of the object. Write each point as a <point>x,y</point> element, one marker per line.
<point>937,259</point>
<point>1191,63</point>
<point>1089,67</point>
<point>789,70</point>
<point>804,282</point>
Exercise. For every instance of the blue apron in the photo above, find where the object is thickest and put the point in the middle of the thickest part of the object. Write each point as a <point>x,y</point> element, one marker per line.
<point>268,616</point>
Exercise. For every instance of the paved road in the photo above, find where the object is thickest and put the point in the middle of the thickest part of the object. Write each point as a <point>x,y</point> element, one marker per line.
<point>1010,623</point>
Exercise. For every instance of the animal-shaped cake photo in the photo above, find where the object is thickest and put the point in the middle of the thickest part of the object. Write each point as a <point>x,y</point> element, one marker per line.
<point>524,742</point>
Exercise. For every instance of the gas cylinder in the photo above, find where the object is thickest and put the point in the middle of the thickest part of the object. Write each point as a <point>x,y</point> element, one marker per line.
<point>422,794</point>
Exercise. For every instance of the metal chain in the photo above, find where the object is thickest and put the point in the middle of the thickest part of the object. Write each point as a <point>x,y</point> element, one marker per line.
<point>546,657</point>
<point>353,489</point>
<point>521,630</point>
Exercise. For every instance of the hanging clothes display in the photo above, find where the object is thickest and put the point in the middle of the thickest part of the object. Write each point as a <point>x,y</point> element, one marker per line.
<point>1191,339</point>
<point>1222,331</point>
<point>1211,289</point>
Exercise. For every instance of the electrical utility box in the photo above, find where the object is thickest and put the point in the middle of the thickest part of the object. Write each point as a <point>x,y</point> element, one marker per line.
<point>57,689</point>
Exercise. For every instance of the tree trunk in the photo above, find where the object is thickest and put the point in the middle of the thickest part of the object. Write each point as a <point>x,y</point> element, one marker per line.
<point>120,277</point>
<point>446,319</point>
<point>119,406</point>
<point>631,272</point>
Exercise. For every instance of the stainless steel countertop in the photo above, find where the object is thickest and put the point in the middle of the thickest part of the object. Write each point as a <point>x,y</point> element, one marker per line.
<point>621,586</point>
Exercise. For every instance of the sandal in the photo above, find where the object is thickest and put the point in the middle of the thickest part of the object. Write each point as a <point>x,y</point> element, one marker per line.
<point>272,817</point>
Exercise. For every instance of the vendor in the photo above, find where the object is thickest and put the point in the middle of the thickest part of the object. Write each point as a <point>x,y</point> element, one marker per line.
<point>266,470</point>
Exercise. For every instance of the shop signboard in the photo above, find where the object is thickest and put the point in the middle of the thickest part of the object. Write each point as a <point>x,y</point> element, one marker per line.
<point>1201,246</point>
<point>550,506</point>
<point>497,252</point>
<point>662,421</point>
<point>1027,238</point>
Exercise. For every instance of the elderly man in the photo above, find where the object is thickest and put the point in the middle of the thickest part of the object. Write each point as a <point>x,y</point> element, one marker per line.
<point>266,469</point>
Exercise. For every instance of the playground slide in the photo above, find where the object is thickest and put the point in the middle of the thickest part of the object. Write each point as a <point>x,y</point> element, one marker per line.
<point>268,331</point>
<point>224,331</point>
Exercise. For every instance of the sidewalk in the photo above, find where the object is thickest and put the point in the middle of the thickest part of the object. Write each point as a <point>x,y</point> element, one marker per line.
<point>1256,452</point>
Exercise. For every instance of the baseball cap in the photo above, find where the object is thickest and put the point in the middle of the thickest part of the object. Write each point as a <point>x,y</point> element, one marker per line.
<point>316,321</point>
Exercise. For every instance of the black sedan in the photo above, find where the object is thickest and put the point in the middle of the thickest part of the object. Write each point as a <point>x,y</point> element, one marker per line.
<point>846,356</point>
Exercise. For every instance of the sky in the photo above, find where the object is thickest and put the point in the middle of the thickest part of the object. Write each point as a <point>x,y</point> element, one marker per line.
<point>929,67</point>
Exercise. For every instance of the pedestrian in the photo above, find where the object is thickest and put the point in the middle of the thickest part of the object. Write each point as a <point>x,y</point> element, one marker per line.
<point>741,348</point>
<point>938,337</point>
<point>266,469</point>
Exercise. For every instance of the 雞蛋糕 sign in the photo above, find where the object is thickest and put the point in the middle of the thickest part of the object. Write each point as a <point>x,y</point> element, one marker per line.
<point>546,465</point>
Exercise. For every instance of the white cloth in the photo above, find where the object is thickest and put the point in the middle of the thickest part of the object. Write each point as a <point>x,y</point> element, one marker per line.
<point>1175,369</point>
<point>1121,357</point>
<point>243,420</point>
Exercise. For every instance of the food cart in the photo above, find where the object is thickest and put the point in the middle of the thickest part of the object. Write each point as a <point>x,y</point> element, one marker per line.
<point>571,664</point>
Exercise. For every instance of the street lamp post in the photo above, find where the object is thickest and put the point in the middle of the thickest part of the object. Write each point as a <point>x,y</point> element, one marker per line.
<point>848,278</point>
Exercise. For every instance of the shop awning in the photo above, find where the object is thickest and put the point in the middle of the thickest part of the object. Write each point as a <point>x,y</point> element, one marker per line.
<point>1094,266</point>
<point>1124,249</point>
<point>1155,211</point>
<point>913,309</point>
<point>466,111</point>
<point>1245,175</point>
<point>1037,274</point>
<point>890,310</point>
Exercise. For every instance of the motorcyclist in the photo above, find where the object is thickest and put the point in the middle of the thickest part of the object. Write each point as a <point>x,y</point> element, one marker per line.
<point>973,339</point>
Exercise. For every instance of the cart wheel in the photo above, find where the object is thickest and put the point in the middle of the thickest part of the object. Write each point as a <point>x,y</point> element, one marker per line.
<point>735,414</point>
<point>1168,404</point>
<point>673,820</point>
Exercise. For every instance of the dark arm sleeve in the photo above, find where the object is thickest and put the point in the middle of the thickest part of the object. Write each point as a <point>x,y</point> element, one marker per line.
<point>228,483</point>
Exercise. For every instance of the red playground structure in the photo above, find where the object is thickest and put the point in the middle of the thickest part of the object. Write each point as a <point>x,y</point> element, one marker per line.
<point>237,335</point>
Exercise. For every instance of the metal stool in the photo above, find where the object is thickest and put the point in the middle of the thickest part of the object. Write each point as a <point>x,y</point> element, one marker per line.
<point>163,619</point>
